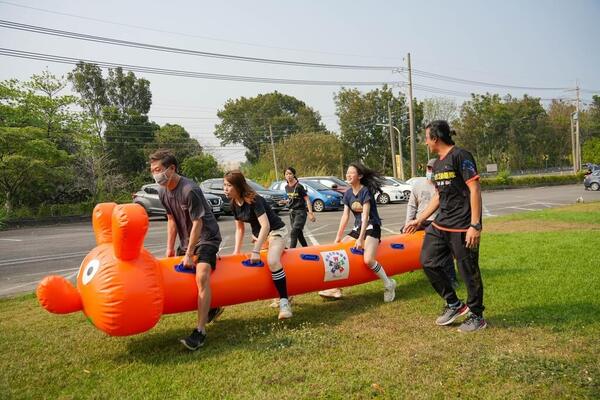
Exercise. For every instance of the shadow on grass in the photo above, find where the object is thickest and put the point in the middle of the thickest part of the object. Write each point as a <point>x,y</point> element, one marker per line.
<point>554,316</point>
<point>262,332</point>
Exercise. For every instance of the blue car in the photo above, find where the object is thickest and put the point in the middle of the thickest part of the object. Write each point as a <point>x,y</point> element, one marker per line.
<point>321,197</point>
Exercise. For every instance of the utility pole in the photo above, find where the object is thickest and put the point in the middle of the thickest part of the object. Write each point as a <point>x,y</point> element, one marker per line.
<point>274,157</point>
<point>395,171</point>
<point>577,137</point>
<point>400,158</point>
<point>573,146</point>
<point>411,117</point>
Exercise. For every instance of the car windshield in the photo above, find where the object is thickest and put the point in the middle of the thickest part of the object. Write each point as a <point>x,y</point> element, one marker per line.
<point>390,182</point>
<point>315,185</point>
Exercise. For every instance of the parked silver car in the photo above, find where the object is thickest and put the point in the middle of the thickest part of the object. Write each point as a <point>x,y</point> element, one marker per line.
<point>147,197</point>
<point>592,181</point>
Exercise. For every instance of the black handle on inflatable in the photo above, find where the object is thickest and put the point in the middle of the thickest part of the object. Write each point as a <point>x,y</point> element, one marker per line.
<point>354,250</point>
<point>181,268</point>
<point>250,263</point>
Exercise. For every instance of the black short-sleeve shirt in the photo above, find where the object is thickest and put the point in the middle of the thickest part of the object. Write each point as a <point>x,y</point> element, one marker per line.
<point>355,203</point>
<point>186,203</point>
<point>250,212</point>
<point>451,175</point>
<point>296,194</point>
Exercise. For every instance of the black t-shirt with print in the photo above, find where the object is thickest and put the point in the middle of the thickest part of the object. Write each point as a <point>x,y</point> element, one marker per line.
<point>250,212</point>
<point>355,203</point>
<point>296,194</point>
<point>451,175</point>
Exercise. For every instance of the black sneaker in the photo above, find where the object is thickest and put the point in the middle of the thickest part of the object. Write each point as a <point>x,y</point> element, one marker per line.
<point>472,324</point>
<point>214,313</point>
<point>195,340</point>
<point>449,314</point>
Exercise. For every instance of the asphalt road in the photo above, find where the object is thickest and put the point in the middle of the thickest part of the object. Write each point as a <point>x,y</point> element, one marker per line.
<point>29,254</point>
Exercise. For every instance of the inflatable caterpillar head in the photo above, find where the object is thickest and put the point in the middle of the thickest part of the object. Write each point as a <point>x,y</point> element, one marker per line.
<point>119,285</point>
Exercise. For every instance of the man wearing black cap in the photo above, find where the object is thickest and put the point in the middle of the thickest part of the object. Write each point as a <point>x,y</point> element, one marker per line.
<point>456,229</point>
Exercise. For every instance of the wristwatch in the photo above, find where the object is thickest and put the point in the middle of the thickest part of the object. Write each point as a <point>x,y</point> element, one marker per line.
<point>477,226</point>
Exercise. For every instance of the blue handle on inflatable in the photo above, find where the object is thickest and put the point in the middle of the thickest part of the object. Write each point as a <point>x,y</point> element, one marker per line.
<point>354,250</point>
<point>250,263</point>
<point>180,268</point>
<point>309,257</point>
<point>397,246</point>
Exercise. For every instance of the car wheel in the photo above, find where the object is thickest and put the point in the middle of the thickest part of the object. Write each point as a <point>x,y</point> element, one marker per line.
<point>406,194</point>
<point>595,186</point>
<point>318,205</point>
<point>383,198</point>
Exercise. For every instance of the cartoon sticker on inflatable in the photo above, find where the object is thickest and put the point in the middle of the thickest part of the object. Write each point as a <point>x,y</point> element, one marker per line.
<point>336,265</point>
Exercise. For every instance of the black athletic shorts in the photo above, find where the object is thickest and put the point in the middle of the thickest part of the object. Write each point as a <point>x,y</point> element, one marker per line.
<point>205,254</point>
<point>374,233</point>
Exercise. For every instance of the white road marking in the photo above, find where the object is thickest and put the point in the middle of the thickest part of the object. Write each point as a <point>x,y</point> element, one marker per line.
<point>390,231</point>
<point>310,236</point>
<point>487,213</point>
<point>12,240</point>
<point>523,208</point>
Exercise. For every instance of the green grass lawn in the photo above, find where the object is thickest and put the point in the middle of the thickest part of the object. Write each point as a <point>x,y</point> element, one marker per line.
<point>542,293</point>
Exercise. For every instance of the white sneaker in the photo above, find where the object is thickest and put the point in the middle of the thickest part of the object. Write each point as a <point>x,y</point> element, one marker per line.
<point>389,292</point>
<point>331,294</point>
<point>285,310</point>
<point>275,302</point>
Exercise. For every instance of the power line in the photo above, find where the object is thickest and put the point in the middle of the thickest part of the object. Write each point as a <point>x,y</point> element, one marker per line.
<point>187,74</point>
<point>186,34</point>
<point>147,46</point>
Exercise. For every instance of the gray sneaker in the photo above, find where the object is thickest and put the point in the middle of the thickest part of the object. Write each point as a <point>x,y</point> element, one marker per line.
<point>472,324</point>
<point>389,292</point>
<point>449,314</point>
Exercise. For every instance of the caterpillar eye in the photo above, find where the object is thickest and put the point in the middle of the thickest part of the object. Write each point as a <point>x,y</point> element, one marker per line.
<point>89,271</point>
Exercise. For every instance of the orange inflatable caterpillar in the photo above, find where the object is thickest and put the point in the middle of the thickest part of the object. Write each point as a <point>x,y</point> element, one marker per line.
<point>123,289</point>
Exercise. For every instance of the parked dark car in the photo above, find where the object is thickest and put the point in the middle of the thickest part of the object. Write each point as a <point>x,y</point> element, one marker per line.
<point>147,197</point>
<point>215,187</point>
<point>332,182</point>
<point>592,181</point>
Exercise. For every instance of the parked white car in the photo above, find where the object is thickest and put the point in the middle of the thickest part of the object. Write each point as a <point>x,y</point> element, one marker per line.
<point>390,193</point>
<point>404,187</point>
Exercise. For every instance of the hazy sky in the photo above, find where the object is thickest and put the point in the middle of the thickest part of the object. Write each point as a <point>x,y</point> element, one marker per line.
<point>521,43</point>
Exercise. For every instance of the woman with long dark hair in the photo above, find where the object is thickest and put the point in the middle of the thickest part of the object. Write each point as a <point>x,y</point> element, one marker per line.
<point>360,201</point>
<point>249,207</point>
<point>298,203</point>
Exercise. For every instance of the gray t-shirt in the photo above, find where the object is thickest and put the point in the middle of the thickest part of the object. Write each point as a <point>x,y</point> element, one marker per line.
<point>422,193</point>
<point>186,203</point>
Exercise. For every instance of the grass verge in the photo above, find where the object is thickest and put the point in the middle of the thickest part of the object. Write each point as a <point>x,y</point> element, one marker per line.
<point>542,302</point>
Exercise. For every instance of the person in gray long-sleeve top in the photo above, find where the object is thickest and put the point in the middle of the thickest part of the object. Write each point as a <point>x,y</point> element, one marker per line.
<point>420,196</point>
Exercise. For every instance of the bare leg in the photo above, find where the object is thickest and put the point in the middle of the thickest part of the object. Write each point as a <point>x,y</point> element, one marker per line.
<point>204,294</point>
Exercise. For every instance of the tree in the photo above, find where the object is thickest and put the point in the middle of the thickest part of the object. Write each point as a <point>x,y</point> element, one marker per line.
<point>591,151</point>
<point>321,154</point>
<point>247,121</point>
<point>44,99</point>
<point>29,164</point>
<point>177,139</point>
<point>126,136</point>
<point>88,82</point>
<point>201,167</point>
<point>359,115</point>
<point>439,108</point>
